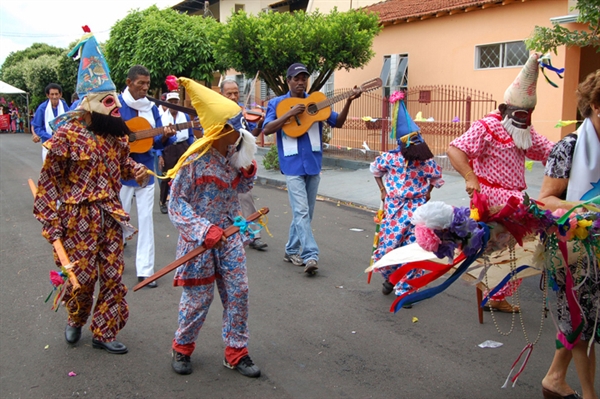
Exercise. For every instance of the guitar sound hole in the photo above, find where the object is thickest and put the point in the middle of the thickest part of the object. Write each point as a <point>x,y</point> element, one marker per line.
<point>312,109</point>
<point>131,138</point>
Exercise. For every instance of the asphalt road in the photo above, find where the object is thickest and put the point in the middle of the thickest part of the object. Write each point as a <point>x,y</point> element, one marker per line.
<point>327,336</point>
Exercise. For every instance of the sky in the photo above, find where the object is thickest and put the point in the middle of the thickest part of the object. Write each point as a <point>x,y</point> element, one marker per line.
<point>59,22</point>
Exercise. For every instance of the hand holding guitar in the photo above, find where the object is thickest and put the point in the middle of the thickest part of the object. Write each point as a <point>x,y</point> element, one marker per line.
<point>168,133</point>
<point>141,138</point>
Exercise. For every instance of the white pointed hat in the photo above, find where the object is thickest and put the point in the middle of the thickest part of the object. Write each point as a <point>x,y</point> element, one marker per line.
<point>522,92</point>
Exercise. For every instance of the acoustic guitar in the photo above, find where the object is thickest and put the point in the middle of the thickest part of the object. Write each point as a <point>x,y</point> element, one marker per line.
<point>318,108</point>
<point>142,137</point>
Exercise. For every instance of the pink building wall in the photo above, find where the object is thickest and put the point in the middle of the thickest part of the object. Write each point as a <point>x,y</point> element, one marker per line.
<point>442,51</point>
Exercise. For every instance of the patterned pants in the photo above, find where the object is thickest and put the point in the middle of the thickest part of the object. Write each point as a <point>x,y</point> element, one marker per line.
<point>397,231</point>
<point>232,283</point>
<point>94,240</point>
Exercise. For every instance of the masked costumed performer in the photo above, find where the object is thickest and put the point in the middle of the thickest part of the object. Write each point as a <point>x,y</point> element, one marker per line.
<point>491,155</point>
<point>405,177</point>
<point>87,156</point>
<point>204,202</point>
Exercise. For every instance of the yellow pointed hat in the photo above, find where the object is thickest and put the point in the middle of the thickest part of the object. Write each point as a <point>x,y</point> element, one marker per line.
<point>213,109</point>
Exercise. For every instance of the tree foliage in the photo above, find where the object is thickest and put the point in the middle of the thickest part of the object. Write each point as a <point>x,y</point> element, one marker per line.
<point>30,53</point>
<point>37,66</point>
<point>165,42</point>
<point>546,39</point>
<point>67,72</point>
<point>38,74</point>
<point>271,42</point>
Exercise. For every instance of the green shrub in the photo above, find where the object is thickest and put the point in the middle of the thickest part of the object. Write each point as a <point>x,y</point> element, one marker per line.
<point>271,159</point>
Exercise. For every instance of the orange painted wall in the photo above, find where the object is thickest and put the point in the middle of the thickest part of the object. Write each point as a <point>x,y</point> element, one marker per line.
<point>442,51</point>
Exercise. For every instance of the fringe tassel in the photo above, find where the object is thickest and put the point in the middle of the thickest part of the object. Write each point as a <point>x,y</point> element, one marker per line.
<point>528,348</point>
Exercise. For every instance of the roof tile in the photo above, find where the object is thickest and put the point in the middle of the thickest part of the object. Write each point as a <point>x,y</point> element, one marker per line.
<point>393,10</point>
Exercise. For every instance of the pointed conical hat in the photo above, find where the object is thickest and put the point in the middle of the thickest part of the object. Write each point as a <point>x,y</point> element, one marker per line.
<point>213,109</point>
<point>522,92</point>
<point>404,123</point>
<point>93,75</point>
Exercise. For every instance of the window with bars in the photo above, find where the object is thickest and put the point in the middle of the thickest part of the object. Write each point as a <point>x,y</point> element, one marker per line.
<point>501,55</point>
<point>394,73</point>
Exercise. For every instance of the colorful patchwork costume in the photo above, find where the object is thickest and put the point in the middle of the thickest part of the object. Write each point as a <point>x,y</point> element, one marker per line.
<point>497,147</point>
<point>204,194</point>
<point>406,175</point>
<point>204,202</point>
<point>82,173</point>
<point>78,202</point>
<point>407,184</point>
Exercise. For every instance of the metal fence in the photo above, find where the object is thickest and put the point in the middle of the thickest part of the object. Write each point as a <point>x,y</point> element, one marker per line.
<point>442,113</point>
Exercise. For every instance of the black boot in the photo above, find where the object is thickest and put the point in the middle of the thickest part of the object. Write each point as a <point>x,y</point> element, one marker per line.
<point>72,334</point>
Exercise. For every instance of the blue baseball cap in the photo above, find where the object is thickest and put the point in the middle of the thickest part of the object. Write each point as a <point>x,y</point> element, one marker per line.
<point>296,69</point>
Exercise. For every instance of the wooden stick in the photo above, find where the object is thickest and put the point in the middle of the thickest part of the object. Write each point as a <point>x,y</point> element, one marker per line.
<point>231,230</point>
<point>60,249</point>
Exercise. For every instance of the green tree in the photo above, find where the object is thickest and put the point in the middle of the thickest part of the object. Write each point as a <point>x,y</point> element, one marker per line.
<point>39,73</point>
<point>271,42</point>
<point>15,75</point>
<point>121,45</point>
<point>67,72</point>
<point>546,39</point>
<point>165,42</point>
<point>32,52</point>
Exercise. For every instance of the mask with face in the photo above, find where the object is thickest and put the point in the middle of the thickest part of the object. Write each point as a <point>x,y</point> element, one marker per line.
<point>105,103</point>
<point>517,122</point>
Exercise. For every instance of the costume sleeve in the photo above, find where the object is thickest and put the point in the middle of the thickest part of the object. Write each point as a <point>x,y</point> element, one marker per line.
<point>39,123</point>
<point>128,165</point>
<point>247,179</point>
<point>50,184</point>
<point>560,160</point>
<point>472,141</point>
<point>379,167</point>
<point>192,226</point>
<point>540,148</point>
<point>434,172</point>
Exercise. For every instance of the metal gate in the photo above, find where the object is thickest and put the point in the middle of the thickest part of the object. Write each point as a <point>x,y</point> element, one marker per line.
<point>444,113</point>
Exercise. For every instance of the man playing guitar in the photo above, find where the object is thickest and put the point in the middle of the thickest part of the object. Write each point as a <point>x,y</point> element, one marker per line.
<point>300,161</point>
<point>134,103</point>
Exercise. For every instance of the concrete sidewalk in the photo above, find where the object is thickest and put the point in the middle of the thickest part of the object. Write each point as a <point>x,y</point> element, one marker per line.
<point>352,182</point>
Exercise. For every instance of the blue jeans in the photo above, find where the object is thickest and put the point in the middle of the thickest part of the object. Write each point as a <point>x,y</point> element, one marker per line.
<point>302,191</point>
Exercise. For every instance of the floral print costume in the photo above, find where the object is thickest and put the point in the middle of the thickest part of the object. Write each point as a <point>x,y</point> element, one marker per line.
<point>204,195</point>
<point>407,185</point>
<point>588,292</point>
<point>82,173</point>
<point>500,166</point>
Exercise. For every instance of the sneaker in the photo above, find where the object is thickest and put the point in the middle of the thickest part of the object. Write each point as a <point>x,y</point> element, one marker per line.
<point>246,367</point>
<point>311,266</point>
<point>387,288</point>
<point>163,209</point>
<point>258,244</point>
<point>294,259</point>
<point>181,363</point>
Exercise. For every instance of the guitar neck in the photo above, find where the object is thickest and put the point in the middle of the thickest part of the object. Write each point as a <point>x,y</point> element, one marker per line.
<point>367,86</point>
<point>160,130</point>
<point>334,99</point>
